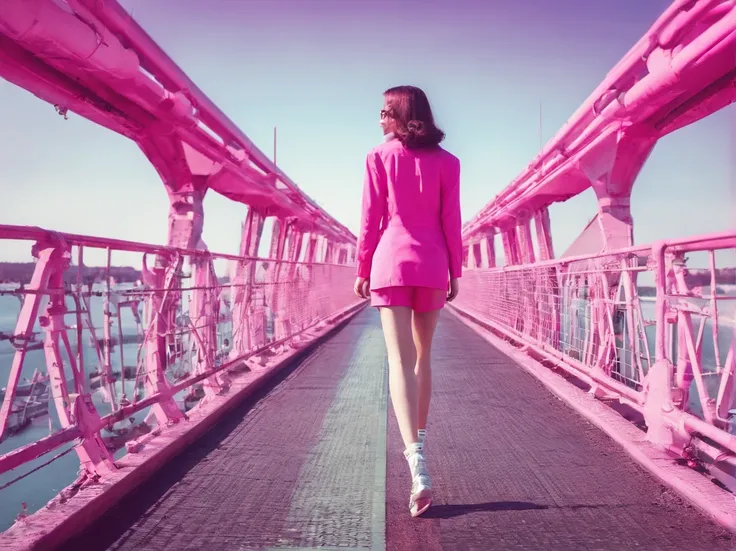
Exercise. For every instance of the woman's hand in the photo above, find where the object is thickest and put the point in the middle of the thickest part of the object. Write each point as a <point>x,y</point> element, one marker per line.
<point>362,287</point>
<point>453,289</point>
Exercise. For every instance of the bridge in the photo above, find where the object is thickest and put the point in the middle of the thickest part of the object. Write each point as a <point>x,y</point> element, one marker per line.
<point>582,400</point>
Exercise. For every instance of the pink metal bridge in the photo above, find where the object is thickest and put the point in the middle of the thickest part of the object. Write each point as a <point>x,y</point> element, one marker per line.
<point>210,401</point>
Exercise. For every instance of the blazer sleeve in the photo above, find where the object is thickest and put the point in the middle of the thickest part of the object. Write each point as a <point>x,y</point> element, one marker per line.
<point>373,207</point>
<point>451,217</point>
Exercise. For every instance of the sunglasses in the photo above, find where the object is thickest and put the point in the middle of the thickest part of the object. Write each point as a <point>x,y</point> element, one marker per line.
<point>385,114</point>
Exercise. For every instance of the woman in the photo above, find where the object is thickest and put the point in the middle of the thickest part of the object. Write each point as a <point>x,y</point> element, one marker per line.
<point>410,258</point>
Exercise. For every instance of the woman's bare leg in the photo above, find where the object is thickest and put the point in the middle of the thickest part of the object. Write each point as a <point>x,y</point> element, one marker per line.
<point>397,331</point>
<point>402,360</point>
<point>423,328</point>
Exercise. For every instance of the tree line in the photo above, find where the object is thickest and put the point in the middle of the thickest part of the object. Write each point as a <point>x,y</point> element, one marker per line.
<point>21,272</point>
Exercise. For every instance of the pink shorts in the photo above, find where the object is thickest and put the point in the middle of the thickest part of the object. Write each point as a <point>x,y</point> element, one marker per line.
<point>419,299</point>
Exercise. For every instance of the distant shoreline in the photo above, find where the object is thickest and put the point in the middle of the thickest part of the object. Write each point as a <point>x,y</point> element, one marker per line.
<point>20,273</point>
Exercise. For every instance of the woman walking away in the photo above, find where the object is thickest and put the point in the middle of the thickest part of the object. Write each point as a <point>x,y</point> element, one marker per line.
<point>410,259</point>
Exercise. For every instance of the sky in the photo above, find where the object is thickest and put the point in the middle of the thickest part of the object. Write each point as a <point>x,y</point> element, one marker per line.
<point>316,69</point>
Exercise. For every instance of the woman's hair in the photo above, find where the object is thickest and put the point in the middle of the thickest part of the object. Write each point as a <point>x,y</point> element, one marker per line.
<point>409,107</point>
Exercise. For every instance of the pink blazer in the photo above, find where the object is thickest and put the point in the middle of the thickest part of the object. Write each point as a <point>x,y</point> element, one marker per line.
<point>411,224</point>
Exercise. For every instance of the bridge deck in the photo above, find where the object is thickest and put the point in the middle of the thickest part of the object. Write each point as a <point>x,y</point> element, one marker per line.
<point>313,463</point>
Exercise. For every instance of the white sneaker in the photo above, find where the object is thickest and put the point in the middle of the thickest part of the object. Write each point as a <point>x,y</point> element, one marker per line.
<point>420,498</point>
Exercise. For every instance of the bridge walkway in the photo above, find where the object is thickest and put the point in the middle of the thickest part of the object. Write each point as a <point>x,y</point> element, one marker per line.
<point>314,461</point>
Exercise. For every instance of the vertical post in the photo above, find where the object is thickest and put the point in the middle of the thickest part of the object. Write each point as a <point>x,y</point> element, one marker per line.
<point>186,220</point>
<point>488,250</point>
<point>293,290</point>
<point>185,173</point>
<point>524,241</point>
<point>544,234</point>
<point>474,260</point>
<point>659,379</point>
<point>549,316</point>
<point>273,251</point>
<point>308,269</point>
<point>204,314</point>
<point>312,244</point>
<point>343,257</point>
<point>247,316</point>
<point>296,238</point>
<point>510,248</point>
<point>106,365</point>
<point>270,274</point>
<point>158,309</point>
<point>351,255</point>
<point>613,180</point>
<point>279,295</point>
<point>319,249</point>
<point>328,258</point>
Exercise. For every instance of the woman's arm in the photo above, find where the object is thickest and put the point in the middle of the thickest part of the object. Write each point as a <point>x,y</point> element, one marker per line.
<point>451,217</point>
<point>374,205</point>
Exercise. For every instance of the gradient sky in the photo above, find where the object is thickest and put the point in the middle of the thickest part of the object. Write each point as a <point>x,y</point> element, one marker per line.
<point>317,69</point>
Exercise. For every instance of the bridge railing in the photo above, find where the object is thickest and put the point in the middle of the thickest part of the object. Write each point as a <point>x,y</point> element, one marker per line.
<point>636,324</point>
<point>122,352</point>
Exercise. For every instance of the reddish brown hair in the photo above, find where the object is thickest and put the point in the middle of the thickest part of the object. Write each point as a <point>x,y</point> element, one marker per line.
<point>409,107</point>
